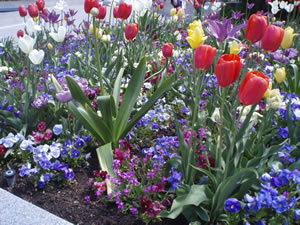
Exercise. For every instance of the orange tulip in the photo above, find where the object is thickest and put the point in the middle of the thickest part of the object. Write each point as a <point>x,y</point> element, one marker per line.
<point>204,56</point>
<point>253,87</point>
<point>256,27</point>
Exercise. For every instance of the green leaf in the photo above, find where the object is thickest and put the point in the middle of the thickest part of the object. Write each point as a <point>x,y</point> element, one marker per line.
<point>194,197</point>
<point>145,108</point>
<point>77,92</point>
<point>56,84</point>
<point>129,99</point>
<point>208,173</point>
<point>117,86</point>
<point>105,157</point>
<point>105,107</point>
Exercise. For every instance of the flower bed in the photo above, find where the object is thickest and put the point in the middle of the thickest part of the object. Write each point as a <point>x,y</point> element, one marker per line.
<point>153,117</point>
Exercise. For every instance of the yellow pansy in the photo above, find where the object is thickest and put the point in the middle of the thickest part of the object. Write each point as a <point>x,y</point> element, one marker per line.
<point>235,47</point>
<point>280,75</point>
<point>287,40</point>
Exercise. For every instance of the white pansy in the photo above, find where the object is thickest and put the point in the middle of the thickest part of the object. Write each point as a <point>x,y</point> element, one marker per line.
<point>61,5</point>
<point>60,35</point>
<point>26,44</point>
<point>246,111</point>
<point>31,26</point>
<point>36,56</point>
<point>275,100</point>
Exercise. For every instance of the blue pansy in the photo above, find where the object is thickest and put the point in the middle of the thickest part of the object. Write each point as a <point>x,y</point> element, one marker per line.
<point>233,205</point>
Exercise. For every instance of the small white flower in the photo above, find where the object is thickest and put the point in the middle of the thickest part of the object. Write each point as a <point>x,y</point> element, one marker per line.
<point>36,57</point>
<point>60,35</point>
<point>148,85</point>
<point>26,44</point>
<point>216,115</point>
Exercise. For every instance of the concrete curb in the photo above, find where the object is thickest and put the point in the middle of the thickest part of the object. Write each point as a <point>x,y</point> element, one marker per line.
<point>16,211</point>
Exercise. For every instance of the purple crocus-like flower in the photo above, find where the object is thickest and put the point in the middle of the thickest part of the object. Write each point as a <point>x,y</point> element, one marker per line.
<point>250,5</point>
<point>233,205</point>
<point>39,102</point>
<point>223,30</point>
<point>237,15</point>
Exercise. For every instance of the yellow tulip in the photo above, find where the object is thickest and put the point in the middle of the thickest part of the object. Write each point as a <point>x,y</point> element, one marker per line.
<point>35,19</point>
<point>235,47</point>
<point>269,90</point>
<point>194,24</point>
<point>173,12</point>
<point>180,13</point>
<point>91,28</point>
<point>155,15</point>
<point>99,33</point>
<point>287,38</point>
<point>280,75</point>
<point>196,34</point>
<point>50,46</point>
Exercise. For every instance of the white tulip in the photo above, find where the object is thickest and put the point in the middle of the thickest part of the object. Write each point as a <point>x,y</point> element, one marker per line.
<point>60,35</point>
<point>36,56</point>
<point>31,26</point>
<point>26,44</point>
<point>275,9</point>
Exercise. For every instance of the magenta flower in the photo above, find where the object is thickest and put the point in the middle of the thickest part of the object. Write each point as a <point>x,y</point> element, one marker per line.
<point>38,137</point>
<point>48,134</point>
<point>41,126</point>
<point>64,96</point>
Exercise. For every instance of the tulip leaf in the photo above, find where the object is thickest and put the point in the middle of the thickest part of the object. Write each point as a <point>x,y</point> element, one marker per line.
<point>77,92</point>
<point>117,86</point>
<point>129,99</point>
<point>105,107</point>
<point>105,157</point>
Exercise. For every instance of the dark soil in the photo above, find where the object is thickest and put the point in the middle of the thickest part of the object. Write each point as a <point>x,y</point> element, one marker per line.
<point>68,202</point>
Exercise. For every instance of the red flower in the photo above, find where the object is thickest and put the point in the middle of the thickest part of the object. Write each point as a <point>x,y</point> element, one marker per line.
<point>256,27</point>
<point>228,69</point>
<point>272,38</point>
<point>33,10</point>
<point>120,155</point>
<point>101,174</point>
<point>131,30</point>
<point>167,50</point>
<point>102,12</point>
<point>22,11</point>
<point>161,6</point>
<point>204,56</point>
<point>203,163</point>
<point>146,204</point>
<point>20,33</point>
<point>40,4</point>
<point>253,87</point>
<point>116,12</point>
<point>41,126</point>
<point>48,134</point>
<point>89,4</point>
<point>124,10</point>
<point>2,150</point>
<point>45,11</point>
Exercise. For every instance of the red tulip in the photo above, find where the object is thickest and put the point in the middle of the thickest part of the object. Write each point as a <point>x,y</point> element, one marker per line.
<point>20,33</point>
<point>89,4</point>
<point>116,12</point>
<point>40,4</point>
<point>167,50</point>
<point>102,12</point>
<point>204,56</point>
<point>45,11</point>
<point>272,38</point>
<point>161,5</point>
<point>22,11</point>
<point>131,30</point>
<point>253,87</point>
<point>124,10</point>
<point>256,27</point>
<point>33,10</point>
<point>228,69</point>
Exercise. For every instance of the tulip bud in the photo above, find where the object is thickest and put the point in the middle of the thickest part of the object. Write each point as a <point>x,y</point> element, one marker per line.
<point>235,47</point>
<point>33,10</point>
<point>167,50</point>
<point>161,6</point>
<point>116,12</point>
<point>22,11</point>
<point>20,33</point>
<point>268,92</point>
<point>288,36</point>
<point>95,11</point>
<point>89,4</point>
<point>40,4</point>
<point>173,12</point>
<point>180,13</point>
<point>99,33</point>
<point>155,15</point>
<point>131,30</point>
<point>280,75</point>
<point>50,46</point>
<point>91,28</point>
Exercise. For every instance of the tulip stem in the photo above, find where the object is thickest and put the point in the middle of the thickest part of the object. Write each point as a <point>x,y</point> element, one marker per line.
<point>98,57</point>
<point>158,72</point>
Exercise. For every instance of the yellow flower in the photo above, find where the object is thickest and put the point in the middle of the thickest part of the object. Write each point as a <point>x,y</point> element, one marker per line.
<point>35,19</point>
<point>155,15</point>
<point>99,33</point>
<point>180,13</point>
<point>268,92</point>
<point>50,46</point>
<point>287,38</point>
<point>196,34</point>
<point>280,75</point>
<point>173,12</point>
<point>235,47</point>
<point>91,28</point>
